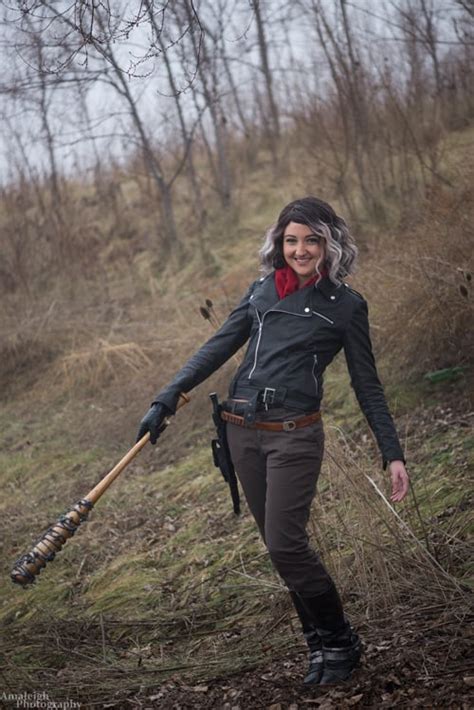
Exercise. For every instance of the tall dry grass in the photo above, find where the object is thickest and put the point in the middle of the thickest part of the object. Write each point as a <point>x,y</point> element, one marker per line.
<point>114,342</point>
<point>419,282</point>
<point>382,554</point>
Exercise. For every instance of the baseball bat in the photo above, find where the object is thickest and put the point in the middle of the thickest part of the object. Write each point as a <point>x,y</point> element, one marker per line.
<point>29,565</point>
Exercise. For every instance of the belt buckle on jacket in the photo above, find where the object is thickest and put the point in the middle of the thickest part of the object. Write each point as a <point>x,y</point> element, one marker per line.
<point>289,425</point>
<point>268,396</point>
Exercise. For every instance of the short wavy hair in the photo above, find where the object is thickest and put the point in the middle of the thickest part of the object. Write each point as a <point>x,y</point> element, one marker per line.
<point>340,248</point>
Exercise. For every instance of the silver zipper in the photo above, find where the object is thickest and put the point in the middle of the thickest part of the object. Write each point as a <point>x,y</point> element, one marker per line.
<point>324,317</point>
<point>315,363</point>
<point>260,326</point>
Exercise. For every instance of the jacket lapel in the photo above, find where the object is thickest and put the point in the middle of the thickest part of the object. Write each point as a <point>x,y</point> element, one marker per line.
<point>265,298</point>
<point>265,295</point>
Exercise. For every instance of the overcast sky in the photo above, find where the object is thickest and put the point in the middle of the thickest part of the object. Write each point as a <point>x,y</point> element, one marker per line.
<point>296,61</point>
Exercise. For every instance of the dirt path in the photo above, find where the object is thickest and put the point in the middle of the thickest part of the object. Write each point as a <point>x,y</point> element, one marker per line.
<point>414,665</point>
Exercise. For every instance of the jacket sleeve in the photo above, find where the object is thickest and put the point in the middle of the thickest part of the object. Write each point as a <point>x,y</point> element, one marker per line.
<point>367,386</point>
<point>233,333</point>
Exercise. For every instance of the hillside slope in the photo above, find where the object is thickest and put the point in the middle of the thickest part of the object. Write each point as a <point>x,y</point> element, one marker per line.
<point>165,599</point>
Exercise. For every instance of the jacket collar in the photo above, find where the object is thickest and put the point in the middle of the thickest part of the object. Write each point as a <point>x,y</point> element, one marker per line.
<point>266,297</point>
<point>332,292</point>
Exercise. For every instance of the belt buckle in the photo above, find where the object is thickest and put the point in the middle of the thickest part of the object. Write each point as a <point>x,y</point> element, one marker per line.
<point>268,396</point>
<point>289,425</point>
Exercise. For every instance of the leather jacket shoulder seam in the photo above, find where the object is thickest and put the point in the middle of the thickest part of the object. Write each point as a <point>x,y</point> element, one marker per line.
<point>355,293</point>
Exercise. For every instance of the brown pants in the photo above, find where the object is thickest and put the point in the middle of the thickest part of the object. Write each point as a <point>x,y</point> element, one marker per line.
<point>278,472</point>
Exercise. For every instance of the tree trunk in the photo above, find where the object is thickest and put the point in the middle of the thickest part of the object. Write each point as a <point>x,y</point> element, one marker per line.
<point>274,132</point>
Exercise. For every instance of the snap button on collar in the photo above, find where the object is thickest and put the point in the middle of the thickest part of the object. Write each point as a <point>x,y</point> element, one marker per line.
<point>306,310</point>
<point>333,298</point>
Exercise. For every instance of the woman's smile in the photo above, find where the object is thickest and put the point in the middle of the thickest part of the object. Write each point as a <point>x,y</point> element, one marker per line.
<point>302,250</point>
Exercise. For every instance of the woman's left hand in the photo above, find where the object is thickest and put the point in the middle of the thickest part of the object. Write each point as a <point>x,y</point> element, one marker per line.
<point>400,481</point>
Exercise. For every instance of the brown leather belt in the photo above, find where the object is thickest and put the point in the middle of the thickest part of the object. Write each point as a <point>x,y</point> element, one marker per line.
<point>288,425</point>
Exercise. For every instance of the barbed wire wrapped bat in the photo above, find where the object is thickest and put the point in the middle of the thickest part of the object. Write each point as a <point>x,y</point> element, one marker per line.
<point>29,565</point>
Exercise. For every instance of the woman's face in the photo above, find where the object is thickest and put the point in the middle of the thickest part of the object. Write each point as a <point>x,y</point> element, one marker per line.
<point>302,250</point>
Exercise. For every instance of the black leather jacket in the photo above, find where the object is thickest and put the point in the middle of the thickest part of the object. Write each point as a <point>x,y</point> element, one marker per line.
<point>291,342</point>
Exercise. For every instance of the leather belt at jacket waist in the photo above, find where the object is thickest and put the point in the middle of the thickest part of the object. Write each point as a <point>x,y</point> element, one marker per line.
<point>288,425</point>
<point>274,396</point>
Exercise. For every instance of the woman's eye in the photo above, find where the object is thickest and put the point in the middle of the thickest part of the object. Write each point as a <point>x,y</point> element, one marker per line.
<point>313,240</point>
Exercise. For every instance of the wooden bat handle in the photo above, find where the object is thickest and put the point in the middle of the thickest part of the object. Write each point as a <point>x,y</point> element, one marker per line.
<point>30,565</point>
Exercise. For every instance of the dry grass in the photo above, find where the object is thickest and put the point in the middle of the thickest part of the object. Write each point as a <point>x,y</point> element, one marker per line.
<point>174,590</point>
<point>420,285</point>
<point>128,314</point>
<point>390,550</point>
<point>163,583</point>
<point>101,364</point>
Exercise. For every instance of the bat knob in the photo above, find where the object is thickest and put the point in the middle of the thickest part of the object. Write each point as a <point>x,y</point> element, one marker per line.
<point>26,568</point>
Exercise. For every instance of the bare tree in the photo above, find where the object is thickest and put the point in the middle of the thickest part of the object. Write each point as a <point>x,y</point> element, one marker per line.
<point>274,122</point>
<point>186,132</point>
<point>222,21</point>
<point>217,76</point>
<point>417,18</point>
<point>206,90</point>
<point>346,70</point>
<point>84,43</point>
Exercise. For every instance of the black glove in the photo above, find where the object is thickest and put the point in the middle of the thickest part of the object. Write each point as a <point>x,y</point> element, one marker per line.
<point>153,421</point>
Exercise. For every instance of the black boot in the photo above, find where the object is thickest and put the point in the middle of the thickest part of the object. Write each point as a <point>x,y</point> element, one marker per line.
<point>341,652</point>
<point>341,646</point>
<point>316,665</point>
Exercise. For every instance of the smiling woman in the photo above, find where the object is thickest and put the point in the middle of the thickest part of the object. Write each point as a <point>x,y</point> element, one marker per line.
<point>319,219</point>
<point>295,319</point>
<point>303,251</point>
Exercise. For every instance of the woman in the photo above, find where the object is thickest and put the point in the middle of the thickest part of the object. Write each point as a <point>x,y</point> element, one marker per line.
<point>296,317</point>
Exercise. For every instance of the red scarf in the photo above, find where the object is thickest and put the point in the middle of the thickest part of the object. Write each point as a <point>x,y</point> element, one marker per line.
<point>286,281</point>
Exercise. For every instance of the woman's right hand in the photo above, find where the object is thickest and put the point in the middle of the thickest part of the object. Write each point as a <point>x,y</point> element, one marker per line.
<point>400,481</point>
<point>154,422</point>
